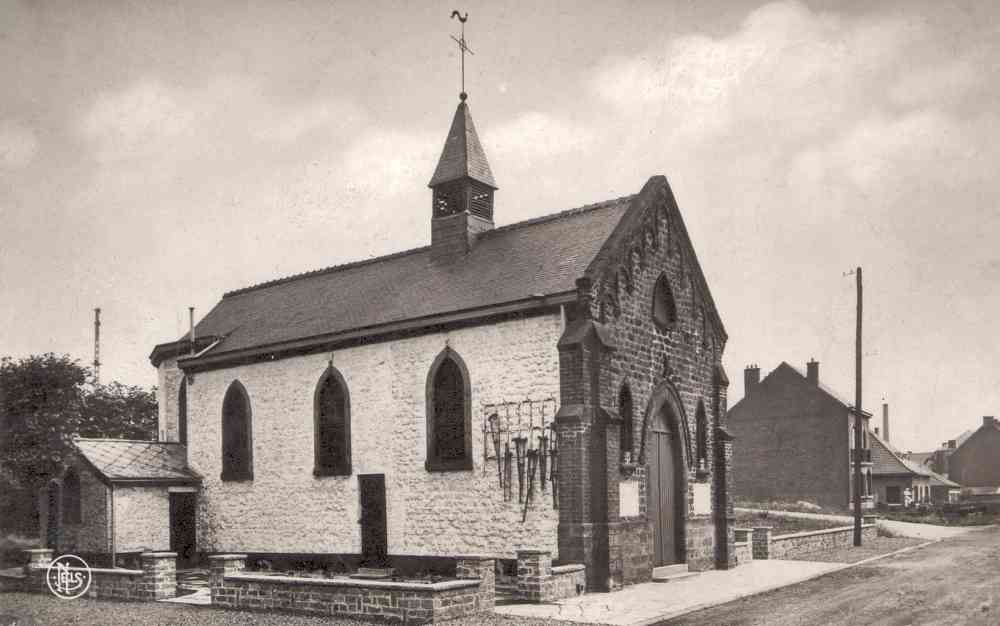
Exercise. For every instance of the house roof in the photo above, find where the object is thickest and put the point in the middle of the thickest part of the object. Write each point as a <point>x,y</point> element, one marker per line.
<point>829,393</point>
<point>518,262</point>
<point>463,154</point>
<point>130,461</point>
<point>887,461</point>
<point>920,458</point>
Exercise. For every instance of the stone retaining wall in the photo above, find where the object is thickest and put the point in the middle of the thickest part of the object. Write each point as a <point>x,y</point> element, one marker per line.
<point>791,546</point>
<point>155,581</point>
<point>412,603</point>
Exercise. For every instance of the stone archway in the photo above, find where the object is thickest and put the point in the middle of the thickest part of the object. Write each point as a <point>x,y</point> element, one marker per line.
<point>666,454</point>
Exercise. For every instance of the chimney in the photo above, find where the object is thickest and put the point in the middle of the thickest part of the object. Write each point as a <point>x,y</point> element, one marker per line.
<point>951,444</point>
<point>876,431</point>
<point>751,378</point>
<point>812,371</point>
<point>885,421</point>
<point>988,420</point>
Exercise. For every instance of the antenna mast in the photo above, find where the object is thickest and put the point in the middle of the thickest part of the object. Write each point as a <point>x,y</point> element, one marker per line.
<point>97,345</point>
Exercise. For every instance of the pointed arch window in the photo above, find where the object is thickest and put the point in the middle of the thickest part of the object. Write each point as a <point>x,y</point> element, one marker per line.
<point>237,434</point>
<point>449,417</point>
<point>182,412</point>
<point>701,438</point>
<point>664,305</point>
<point>332,414</point>
<point>627,438</point>
<point>71,498</point>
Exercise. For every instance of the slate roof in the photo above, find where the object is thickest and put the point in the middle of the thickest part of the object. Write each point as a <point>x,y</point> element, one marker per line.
<point>463,154</point>
<point>827,391</point>
<point>124,461</point>
<point>920,458</point>
<point>543,256</point>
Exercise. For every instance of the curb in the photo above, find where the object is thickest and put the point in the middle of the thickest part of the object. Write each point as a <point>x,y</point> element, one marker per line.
<point>708,605</point>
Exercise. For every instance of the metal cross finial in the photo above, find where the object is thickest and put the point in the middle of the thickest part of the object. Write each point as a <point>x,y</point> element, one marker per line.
<point>462,47</point>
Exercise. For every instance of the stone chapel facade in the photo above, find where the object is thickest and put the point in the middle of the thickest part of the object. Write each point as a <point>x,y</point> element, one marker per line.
<point>366,410</point>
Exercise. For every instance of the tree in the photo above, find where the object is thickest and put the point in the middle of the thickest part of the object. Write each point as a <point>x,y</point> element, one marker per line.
<point>46,400</point>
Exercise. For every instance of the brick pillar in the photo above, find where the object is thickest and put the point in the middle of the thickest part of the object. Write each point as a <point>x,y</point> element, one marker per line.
<point>483,568</point>
<point>761,542</point>
<point>159,575</point>
<point>220,566</point>
<point>534,567</point>
<point>581,437</point>
<point>36,568</point>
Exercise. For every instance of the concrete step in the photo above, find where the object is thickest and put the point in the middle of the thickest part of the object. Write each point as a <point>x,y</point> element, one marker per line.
<point>669,573</point>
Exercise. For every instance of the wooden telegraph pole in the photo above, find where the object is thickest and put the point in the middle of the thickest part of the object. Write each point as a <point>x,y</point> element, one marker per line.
<point>858,420</point>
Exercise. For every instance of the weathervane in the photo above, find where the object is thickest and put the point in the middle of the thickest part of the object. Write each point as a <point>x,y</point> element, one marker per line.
<point>462,47</point>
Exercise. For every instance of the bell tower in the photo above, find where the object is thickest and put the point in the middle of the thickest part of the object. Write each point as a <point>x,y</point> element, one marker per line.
<point>462,185</point>
<point>462,188</point>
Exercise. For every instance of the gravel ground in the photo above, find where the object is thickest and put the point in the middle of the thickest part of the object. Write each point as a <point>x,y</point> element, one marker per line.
<point>24,609</point>
<point>868,549</point>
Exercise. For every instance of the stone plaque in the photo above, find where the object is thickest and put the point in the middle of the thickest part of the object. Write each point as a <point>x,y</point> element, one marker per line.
<point>628,498</point>
<point>702,499</point>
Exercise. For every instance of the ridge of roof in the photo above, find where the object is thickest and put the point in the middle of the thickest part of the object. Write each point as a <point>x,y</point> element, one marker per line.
<point>395,255</point>
<point>821,386</point>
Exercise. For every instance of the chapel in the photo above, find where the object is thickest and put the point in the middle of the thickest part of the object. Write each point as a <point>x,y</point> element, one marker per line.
<point>554,384</point>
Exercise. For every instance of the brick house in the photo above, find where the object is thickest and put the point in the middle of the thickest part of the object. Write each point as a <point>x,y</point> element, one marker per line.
<point>975,464</point>
<point>795,440</point>
<point>390,409</point>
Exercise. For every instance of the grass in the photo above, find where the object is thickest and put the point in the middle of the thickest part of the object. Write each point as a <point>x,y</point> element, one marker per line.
<point>938,518</point>
<point>782,525</point>
<point>796,506</point>
<point>12,546</point>
<point>29,608</point>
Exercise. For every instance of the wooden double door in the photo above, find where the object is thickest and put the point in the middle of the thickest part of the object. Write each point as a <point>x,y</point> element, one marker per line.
<point>664,504</point>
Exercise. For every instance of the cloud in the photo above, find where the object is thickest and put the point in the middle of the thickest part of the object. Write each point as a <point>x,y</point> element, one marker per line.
<point>329,116</point>
<point>138,119</point>
<point>18,145</point>
<point>786,66</point>
<point>533,136</point>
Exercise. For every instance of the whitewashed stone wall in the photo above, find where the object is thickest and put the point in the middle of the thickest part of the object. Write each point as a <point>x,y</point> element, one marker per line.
<point>93,533</point>
<point>286,509</point>
<point>142,519</point>
<point>167,389</point>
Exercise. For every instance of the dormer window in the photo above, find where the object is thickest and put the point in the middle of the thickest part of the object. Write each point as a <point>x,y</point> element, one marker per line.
<point>664,305</point>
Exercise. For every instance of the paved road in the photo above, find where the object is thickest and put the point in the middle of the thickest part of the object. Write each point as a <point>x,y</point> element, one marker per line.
<point>954,581</point>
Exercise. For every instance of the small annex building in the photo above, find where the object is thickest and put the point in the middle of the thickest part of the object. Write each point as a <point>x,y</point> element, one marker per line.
<point>116,499</point>
<point>898,481</point>
<point>554,384</point>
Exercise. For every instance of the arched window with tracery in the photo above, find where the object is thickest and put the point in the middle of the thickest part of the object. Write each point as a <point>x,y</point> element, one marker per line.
<point>237,434</point>
<point>664,305</point>
<point>625,411</point>
<point>71,498</point>
<point>449,418</point>
<point>332,426</point>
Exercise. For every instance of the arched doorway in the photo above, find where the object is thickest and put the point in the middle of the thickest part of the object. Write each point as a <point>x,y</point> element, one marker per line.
<point>666,484</point>
<point>52,517</point>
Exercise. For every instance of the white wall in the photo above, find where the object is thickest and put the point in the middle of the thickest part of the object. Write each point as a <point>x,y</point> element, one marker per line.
<point>286,509</point>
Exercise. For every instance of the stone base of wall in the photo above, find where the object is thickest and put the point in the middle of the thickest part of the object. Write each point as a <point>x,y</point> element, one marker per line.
<point>156,580</point>
<point>411,603</point>
<point>700,544</point>
<point>791,546</point>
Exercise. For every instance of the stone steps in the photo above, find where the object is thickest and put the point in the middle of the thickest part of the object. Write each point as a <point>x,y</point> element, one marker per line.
<point>670,573</point>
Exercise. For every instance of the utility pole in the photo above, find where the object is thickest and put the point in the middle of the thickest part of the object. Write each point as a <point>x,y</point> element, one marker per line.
<point>858,420</point>
<point>97,345</point>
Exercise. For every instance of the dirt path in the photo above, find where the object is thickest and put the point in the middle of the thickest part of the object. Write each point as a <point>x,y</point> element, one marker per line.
<point>954,581</point>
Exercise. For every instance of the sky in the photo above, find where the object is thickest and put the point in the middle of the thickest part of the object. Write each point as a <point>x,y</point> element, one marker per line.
<point>154,155</point>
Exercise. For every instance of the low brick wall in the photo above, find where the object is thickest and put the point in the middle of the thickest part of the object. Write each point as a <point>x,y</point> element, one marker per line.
<point>790,546</point>
<point>539,581</point>
<point>155,581</point>
<point>412,603</point>
<point>744,551</point>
